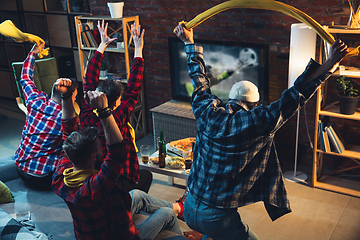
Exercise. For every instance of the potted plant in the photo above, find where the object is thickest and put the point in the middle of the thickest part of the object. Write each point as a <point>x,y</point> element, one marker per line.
<point>103,69</point>
<point>348,95</point>
<point>116,9</point>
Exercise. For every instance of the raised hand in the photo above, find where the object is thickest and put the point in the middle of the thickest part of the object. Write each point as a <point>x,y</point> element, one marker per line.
<point>185,35</point>
<point>103,33</point>
<point>138,35</point>
<point>96,99</point>
<point>63,85</point>
<point>38,48</point>
<point>337,52</point>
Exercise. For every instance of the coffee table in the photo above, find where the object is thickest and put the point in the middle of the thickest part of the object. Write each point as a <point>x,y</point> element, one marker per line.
<point>170,172</point>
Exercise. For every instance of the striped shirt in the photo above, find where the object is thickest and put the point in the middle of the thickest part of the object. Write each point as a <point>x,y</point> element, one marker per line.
<point>235,160</point>
<point>41,142</point>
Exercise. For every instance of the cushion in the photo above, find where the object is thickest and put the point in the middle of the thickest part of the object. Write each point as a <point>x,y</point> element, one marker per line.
<point>12,229</point>
<point>8,170</point>
<point>47,73</point>
<point>5,194</point>
<point>17,67</point>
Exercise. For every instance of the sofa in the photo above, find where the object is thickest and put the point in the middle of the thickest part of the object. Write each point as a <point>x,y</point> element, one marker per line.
<point>48,212</point>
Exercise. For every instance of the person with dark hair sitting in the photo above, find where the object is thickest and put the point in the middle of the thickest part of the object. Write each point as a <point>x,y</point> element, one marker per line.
<point>100,208</point>
<point>40,145</point>
<point>132,177</point>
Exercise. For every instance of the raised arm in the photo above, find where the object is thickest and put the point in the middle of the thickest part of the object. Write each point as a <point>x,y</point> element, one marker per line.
<point>130,98</point>
<point>93,69</point>
<point>63,85</point>
<point>98,101</point>
<point>338,50</point>
<point>30,91</point>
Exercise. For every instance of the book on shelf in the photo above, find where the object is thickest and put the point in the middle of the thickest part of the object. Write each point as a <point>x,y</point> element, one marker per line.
<point>349,71</point>
<point>85,39</point>
<point>321,136</point>
<point>92,34</point>
<point>338,139</point>
<point>326,141</point>
<point>333,142</point>
<point>91,38</point>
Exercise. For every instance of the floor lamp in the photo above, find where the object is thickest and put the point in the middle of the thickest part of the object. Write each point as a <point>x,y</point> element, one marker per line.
<point>302,48</point>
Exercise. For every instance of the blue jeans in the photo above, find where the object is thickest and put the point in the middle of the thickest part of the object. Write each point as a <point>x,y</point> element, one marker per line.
<point>162,215</point>
<point>217,223</point>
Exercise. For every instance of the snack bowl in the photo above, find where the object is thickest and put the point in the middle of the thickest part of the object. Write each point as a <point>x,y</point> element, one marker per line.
<point>154,160</point>
<point>176,163</point>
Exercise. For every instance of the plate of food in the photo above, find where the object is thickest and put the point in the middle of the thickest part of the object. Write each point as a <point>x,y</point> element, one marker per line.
<point>182,147</point>
<point>154,160</point>
<point>176,163</point>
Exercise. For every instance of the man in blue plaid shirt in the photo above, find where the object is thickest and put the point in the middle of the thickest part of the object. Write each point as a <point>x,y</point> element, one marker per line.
<point>235,160</point>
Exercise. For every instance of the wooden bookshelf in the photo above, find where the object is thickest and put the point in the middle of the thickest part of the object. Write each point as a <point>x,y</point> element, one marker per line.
<point>352,152</point>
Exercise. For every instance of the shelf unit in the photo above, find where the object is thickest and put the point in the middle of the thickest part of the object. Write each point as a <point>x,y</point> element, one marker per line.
<point>137,120</point>
<point>332,110</point>
<point>52,20</point>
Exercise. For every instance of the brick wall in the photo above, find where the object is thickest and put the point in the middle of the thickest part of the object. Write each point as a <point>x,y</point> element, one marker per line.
<point>159,17</point>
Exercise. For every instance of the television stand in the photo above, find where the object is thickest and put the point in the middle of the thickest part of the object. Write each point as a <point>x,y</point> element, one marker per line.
<point>175,119</point>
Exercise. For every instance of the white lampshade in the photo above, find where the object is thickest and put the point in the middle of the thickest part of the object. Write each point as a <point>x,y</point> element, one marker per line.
<point>302,48</point>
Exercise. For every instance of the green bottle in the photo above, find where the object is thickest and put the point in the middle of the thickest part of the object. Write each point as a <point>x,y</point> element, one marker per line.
<point>162,150</point>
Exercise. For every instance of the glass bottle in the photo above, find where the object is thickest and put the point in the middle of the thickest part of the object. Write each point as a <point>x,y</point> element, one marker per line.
<point>162,150</point>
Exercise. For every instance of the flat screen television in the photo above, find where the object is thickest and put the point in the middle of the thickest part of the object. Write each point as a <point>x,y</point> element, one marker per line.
<point>226,63</point>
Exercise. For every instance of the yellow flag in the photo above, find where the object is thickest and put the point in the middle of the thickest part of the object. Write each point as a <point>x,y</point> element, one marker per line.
<point>8,29</point>
<point>268,5</point>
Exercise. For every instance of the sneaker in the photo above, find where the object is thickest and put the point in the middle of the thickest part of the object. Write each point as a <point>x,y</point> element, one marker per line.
<point>193,235</point>
<point>181,213</point>
<point>181,202</point>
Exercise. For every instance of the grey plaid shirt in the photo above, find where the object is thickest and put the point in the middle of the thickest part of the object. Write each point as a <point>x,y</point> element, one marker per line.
<point>235,160</point>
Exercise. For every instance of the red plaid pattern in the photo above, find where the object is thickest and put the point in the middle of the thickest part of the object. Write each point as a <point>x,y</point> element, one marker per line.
<point>100,208</point>
<point>121,114</point>
<point>41,142</point>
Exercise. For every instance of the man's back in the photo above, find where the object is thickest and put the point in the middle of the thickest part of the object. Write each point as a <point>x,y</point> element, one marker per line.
<point>41,137</point>
<point>235,161</point>
<point>99,207</point>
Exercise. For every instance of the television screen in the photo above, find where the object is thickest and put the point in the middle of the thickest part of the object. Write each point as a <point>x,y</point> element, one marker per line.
<point>226,63</point>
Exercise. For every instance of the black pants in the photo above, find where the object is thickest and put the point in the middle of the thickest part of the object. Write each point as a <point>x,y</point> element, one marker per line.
<point>143,184</point>
<point>38,183</point>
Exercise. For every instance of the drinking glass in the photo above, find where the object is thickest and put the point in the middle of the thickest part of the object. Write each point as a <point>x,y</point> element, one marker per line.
<point>145,152</point>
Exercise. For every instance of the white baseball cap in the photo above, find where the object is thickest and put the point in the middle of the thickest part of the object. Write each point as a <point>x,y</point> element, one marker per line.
<point>245,91</point>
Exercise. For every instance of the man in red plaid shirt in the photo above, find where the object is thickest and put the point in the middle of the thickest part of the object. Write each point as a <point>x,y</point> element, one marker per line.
<point>40,145</point>
<point>122,110</point>
<point>100,208</point>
